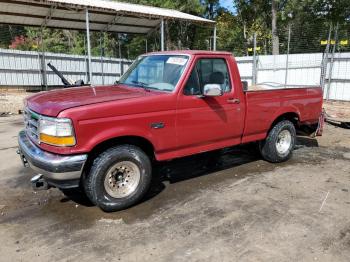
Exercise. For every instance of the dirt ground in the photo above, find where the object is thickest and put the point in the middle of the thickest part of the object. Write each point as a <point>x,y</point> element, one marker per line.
<point>239,209</point>
<point>12,101</point>
<point>337,110</point>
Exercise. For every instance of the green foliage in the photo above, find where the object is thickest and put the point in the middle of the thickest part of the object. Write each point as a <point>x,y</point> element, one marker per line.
<point>309,21</point>
<point>179,35</point>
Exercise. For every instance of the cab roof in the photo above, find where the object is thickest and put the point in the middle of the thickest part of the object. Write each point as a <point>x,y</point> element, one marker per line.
<point>190,52</point>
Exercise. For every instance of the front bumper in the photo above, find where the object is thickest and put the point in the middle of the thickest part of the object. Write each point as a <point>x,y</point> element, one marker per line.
<point>59,170</point>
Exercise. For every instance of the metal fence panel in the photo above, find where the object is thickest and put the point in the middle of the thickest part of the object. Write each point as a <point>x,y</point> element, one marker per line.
<point>245,64</point>
<point>303,70</point>
<point>23,68</point>
<point>340,77</point>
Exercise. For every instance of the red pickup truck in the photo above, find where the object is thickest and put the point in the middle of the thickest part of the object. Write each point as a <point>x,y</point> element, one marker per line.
<point>167,105</point>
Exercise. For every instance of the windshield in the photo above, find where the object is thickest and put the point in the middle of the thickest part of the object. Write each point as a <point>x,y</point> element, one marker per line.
<point>161,72</point>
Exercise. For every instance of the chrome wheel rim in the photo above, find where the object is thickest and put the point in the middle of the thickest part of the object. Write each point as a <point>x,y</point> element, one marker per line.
<point>284,141</point>
<point>122,179</point>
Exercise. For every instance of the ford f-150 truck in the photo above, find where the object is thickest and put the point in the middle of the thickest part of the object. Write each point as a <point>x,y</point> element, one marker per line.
<point>104,139</point>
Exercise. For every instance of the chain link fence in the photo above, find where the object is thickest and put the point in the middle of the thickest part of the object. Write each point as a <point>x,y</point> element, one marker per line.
<point>318,56</point>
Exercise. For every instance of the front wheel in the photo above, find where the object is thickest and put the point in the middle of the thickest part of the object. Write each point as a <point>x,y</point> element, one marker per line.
<point>279,144</point>
<point>119,178</point>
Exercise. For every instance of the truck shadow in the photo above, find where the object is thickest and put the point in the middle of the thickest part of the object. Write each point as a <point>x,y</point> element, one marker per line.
<point>185,168</point>
<point>304,141</point>
<point>203,165</point>
<point>200,166</point>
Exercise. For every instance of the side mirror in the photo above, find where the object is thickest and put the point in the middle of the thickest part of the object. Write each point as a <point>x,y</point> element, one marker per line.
<point>212,90</point>
<point>245,85</point>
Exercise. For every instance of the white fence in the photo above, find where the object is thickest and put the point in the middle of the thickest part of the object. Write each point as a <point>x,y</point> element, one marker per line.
<point>21,68</point>
<point>25,68</point>
<point>303,69</point>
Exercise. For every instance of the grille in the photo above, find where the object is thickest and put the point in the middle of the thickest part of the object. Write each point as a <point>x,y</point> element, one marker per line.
<point>31,123</point>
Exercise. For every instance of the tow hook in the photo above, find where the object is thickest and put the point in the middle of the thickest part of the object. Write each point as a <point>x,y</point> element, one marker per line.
<point>24,160</point>
<point>39,183</point>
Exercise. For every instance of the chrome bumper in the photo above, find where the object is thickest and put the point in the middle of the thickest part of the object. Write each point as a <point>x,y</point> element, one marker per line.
<point>51,166</point>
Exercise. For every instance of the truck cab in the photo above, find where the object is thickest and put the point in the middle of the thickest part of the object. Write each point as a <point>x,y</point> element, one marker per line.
<point>167,105</point>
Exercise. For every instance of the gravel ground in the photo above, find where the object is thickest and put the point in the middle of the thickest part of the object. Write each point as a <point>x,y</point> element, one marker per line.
<point>240,209</point>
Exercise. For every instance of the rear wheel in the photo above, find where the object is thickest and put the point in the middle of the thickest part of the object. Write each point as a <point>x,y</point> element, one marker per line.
<point>280,142</point>
<point>119,178</point>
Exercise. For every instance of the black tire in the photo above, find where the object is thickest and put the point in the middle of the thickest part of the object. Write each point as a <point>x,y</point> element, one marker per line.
<point>268,147</point>
<point>94,182</point>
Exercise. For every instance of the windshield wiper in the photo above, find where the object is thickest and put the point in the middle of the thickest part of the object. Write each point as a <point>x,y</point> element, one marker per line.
<point>139,83</point>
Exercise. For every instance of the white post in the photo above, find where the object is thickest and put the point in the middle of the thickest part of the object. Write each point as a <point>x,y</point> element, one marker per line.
<point>162,34</point>
<point>287,59</point>
<point>254,62</point>
<point>214,39</point>
<point>88,45</point>
<point>332,62</point>
<point>101,58</point>
<point>121,69</point>
<point>325,60</point>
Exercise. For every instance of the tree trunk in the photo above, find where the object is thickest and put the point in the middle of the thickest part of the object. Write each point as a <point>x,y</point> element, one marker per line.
<point>275,40</point>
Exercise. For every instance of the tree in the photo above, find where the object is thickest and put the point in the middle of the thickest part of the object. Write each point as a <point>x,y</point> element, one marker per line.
<point>332,10</point>
<point>254,17</point>
<point>269,19</point>
<point>178,35</point>
<point>275,40</point>
<point>230,33</point>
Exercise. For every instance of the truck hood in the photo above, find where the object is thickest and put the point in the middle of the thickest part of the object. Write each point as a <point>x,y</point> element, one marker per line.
<point>51,103</point>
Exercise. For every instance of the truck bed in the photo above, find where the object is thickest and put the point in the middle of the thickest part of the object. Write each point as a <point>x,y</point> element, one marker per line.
<point>264,106</point>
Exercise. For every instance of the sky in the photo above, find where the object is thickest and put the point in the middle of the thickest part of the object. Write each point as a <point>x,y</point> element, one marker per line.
<point>227,4</point>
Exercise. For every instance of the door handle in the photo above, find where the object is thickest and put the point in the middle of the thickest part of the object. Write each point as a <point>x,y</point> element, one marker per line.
<point>233,100</point>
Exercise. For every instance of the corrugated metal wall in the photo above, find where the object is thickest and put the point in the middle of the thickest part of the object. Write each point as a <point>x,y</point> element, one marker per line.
<point>23,68</point>
<point>340,81</point>
<point>303,69</point>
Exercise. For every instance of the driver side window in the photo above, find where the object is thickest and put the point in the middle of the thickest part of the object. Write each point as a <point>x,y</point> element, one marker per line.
<point>208,71</point>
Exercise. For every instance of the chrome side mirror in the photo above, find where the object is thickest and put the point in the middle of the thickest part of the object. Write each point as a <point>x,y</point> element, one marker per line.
<point>212,90</point>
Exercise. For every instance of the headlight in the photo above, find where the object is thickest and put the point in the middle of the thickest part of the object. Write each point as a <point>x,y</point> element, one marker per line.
<point>56,131</point>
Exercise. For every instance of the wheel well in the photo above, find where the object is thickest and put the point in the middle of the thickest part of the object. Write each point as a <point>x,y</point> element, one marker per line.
<point>140,142</point>
<point>293,117</point>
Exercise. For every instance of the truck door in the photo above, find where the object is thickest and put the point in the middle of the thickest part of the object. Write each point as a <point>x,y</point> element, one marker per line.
<point>205,123</point>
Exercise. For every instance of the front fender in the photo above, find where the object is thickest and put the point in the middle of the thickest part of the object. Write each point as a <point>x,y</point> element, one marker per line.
<point>115,132</point>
